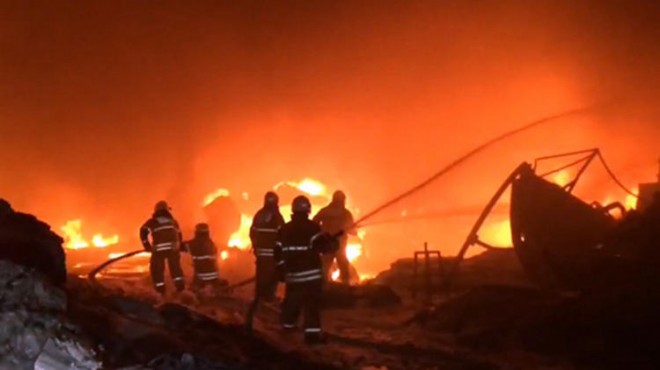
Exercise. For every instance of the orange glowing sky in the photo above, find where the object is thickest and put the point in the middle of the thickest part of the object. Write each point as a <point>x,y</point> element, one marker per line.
<point>106,107</point>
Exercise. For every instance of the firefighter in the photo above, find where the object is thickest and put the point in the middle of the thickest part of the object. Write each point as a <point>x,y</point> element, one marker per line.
<point>165,245</point>
<point>333,219</point>
<point>300,244</point>
<point>204,254</point>
<point>263,234</point>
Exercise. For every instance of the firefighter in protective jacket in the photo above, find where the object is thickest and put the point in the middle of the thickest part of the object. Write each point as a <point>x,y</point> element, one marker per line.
<point>300,244</point>
<point>263,234</point>
<point>165,245</point>
<point>204,255</point>
<point>333,218</point>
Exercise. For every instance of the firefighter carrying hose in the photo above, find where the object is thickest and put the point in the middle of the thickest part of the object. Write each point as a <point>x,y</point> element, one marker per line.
<point>165,245</point>
<point>334,218</point>
<point>300,244</point>
<point>204,255</point>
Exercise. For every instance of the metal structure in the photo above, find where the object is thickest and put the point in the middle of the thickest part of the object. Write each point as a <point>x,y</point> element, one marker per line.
<point>561,241</point>
<point>429,258</point>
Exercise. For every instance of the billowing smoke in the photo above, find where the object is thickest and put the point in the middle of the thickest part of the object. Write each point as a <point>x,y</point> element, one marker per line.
<point>107,107</point>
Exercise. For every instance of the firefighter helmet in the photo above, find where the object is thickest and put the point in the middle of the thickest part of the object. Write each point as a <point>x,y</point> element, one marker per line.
<point>271,199</point>
<point>339,197</point>
<point>162,206</point>
<point>301,204</point>
<point>202,228</point>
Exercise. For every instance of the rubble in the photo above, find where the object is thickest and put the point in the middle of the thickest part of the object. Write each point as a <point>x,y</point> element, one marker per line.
<point>59,354</point>
<point>33,330</point>
<point>137,332</point>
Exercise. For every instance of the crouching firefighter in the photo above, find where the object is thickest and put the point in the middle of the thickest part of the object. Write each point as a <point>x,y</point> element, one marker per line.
<point>300,244</point>
<point>263,235</point>
<point>204,255</point>
<point>165,245</point>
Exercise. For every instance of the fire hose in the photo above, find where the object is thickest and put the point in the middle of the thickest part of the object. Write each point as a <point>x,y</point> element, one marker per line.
<point>459,161</point>
<point>92,274</point>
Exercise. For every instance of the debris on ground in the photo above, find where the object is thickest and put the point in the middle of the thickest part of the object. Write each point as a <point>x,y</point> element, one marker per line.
<point>613,329</point>
<point>134,331</point>
<point>370,294</point>
<point>33,329</point>
<point>494,267</point>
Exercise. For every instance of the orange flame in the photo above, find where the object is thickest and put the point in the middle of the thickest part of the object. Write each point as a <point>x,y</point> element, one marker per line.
<point>561,178</point>
<point>307,186</point>
<point>631,201</point>
<point>73,237</point>
<point>221,192</point>
<point>241,238</point>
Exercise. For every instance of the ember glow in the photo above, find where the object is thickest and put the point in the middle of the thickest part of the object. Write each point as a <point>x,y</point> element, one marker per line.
<point>212,196</point>
<point>498,234</point>
<point>561,178</point>
<point>308,186</point>
<point>631,201</point>
<point>73,237</point>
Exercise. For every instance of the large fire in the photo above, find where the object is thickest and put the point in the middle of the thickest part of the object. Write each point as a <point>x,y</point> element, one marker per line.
<point>319,195</point>
<point>496,233</point>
